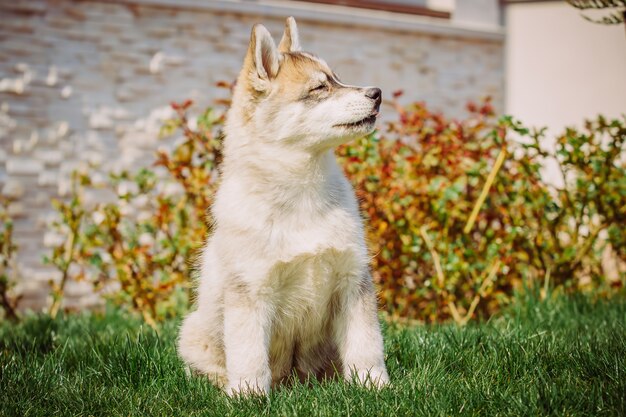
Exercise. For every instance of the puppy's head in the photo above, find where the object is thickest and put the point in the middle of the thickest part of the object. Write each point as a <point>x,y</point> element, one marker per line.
<point>293,97</point>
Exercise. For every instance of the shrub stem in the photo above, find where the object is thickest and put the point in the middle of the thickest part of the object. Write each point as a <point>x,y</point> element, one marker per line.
<point>485,191</point>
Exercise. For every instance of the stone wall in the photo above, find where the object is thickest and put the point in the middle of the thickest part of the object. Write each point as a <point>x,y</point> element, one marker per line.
<point>89,82</point>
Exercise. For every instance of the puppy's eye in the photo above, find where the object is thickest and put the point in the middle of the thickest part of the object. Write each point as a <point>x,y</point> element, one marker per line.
<point>320,87</point>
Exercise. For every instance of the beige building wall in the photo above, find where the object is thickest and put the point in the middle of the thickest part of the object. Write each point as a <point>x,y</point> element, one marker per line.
<point>562,68</point>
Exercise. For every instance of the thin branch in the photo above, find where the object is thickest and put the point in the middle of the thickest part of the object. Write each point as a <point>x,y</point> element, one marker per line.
<point>596,4</point>
<point>462,320</point>
<point>435,256</point>
<point>58,297</point>
<point>485,191</point>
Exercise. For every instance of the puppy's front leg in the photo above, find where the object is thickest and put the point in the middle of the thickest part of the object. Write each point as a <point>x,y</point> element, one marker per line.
<point>358,336</point>
<point>246,343</point>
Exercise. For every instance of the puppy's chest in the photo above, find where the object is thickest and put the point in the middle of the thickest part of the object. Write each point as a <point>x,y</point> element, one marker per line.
<point>324,237</point>
<point>315,258</point>
<point>306,284</point>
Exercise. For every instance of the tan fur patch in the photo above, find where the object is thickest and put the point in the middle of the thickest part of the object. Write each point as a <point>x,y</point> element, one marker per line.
<point>297,72</point>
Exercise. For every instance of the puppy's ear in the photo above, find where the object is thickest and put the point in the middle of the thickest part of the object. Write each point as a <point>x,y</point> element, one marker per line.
<point>262,60</point>
<point>290,41</point>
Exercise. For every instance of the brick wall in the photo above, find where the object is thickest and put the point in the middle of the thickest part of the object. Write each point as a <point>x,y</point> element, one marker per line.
<point>89,83</point>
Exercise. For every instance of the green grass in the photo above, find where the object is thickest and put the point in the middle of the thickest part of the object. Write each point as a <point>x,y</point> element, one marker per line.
<point>565,357</point>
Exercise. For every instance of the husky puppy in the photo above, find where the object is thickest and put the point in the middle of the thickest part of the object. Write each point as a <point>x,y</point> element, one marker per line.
<point>284,286</point>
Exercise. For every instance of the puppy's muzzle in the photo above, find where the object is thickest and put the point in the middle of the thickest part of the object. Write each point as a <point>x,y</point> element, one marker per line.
<point>376,95</point>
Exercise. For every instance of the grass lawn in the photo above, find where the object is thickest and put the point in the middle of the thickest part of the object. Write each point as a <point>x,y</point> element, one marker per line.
<point>564,357</point>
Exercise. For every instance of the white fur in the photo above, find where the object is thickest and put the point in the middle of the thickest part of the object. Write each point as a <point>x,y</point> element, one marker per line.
<point>284,281</point>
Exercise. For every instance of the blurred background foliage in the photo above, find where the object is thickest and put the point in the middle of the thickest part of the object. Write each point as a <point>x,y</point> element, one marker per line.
<point>458,215</point>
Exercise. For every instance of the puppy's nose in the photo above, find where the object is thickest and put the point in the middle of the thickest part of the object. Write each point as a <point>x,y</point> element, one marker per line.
<point>373,93</point>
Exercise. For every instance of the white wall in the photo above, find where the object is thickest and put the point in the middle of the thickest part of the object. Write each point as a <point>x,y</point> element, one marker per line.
<point>561,68</point>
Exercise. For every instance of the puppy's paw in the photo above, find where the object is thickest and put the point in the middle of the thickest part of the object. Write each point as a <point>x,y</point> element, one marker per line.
<point>375,377</point>
<point>246,387</point>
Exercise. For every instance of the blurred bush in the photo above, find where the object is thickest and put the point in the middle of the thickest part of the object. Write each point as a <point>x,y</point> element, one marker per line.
<point>458,215</point>
<point>138,248</point>
<point>8,272</point>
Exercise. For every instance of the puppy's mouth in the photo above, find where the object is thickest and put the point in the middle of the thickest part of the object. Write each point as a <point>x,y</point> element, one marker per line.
<point>363,123</point>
